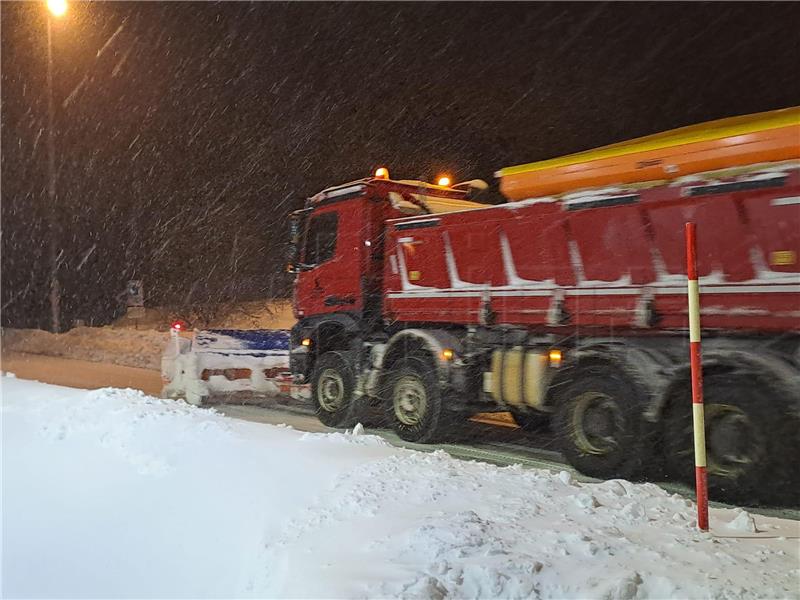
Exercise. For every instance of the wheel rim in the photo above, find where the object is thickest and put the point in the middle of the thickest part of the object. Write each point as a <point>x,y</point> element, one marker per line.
<point>330,390</point>
<point>596,423</point>
<point>733,441</point>
<point>410,400</point>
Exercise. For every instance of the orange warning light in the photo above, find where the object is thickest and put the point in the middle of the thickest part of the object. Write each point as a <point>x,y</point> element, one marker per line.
<point>555,357</point>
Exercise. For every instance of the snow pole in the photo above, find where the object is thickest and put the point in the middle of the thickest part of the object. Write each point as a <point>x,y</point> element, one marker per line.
<point>174,331</point>
<point>698,413</point>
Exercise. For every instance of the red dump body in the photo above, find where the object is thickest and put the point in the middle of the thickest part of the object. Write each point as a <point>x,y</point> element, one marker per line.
<point>606,259</point>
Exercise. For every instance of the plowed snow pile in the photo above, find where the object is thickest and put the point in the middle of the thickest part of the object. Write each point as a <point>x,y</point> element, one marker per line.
<point>120,346</point>
<point>111,493</point>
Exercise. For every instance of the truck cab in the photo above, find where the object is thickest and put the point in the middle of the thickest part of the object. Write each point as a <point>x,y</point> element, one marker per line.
<point>338,260</point>
<point>338,240</point>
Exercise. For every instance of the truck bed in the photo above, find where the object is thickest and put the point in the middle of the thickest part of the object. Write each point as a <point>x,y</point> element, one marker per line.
<point>609,258</point>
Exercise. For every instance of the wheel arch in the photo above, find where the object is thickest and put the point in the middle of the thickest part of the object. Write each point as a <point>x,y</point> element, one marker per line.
<point>336,332</point>
<point>427,343</point>
<point>645,367</point>
<point>769,368</point>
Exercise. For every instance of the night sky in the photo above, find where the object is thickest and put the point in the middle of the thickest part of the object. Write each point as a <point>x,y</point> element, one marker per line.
<point>186,132</point>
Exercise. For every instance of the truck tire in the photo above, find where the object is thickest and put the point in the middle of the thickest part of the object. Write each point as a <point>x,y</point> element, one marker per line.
<point>413,402</point>
<point>598,422</point>
<point>747,429</point>
<point>332,386</point>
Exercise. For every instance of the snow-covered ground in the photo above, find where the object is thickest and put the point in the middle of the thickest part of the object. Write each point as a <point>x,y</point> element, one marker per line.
<point>111,493</point>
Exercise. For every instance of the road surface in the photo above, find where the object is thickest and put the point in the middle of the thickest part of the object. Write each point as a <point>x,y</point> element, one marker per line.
<point>79,373</point>
<point>502,446</point>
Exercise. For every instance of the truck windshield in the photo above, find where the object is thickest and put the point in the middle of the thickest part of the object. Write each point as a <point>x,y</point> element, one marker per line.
<point>321,238</point>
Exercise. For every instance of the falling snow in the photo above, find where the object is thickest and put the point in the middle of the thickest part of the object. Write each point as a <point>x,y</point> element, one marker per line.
<point>185,134</point>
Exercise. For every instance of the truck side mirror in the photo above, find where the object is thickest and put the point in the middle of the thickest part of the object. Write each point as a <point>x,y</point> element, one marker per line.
<point>296,225</point>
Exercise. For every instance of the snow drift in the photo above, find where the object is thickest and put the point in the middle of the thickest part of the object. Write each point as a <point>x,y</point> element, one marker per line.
<point>138,342</point>
<point>120,346</point>
<point>112,493</point>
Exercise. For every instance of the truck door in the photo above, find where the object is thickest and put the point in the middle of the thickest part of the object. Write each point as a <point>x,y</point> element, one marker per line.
<point>333,257</point>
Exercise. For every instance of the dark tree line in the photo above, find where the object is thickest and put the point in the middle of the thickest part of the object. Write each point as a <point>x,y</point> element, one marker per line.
<point>186,132</point>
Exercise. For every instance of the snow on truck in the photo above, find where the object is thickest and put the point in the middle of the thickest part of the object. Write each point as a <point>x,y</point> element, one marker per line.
<point>567,305</point>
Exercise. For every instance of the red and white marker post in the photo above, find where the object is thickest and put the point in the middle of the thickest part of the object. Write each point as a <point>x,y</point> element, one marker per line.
<point>698,413</point>
<point>175,331</point>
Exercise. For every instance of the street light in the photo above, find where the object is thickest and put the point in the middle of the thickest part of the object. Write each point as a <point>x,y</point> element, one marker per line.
<point>56,8</point>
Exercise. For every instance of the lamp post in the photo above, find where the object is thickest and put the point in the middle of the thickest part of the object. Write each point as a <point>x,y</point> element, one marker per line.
<point>56,8</point>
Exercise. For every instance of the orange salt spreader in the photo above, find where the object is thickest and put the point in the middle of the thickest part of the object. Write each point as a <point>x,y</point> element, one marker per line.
<point>764,137</point>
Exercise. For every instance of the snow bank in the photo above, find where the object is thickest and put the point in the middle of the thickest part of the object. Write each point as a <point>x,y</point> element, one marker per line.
<point>120,346</point>
<point>256,314</point>
<point>260,314</point>
<point>123,344</point>
<point>111,493</point>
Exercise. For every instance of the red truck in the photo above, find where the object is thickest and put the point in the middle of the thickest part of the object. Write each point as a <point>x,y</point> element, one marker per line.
<point>569,311</point>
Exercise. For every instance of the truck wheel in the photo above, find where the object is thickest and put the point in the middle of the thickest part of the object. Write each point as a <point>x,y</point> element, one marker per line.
<point>413,402</point>
<point>745,427</point>
<point>599,423</point>
<point>531,421</point>
<point>332,385</point>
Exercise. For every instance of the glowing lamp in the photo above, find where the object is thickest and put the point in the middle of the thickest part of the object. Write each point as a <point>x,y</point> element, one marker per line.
<point>382,173</point>
<point>448,354</point>
<point>555,357</point>
<point>57,7</point>
<point>306,342</point>
<point>444,181</point>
